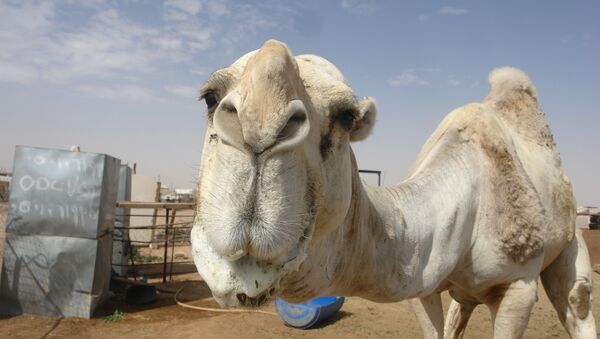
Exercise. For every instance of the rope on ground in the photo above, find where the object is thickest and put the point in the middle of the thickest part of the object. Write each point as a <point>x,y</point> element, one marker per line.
<point>52,328</point>
<point>220,310</point>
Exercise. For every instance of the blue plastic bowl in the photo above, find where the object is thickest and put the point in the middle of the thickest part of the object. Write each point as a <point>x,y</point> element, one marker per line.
<point>309,313</point>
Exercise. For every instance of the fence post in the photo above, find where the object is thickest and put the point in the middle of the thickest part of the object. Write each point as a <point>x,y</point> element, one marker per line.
<point>166,245</point>
<point>172,245</point>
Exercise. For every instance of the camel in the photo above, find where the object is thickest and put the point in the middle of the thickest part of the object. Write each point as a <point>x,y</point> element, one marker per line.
<point>485,210</point>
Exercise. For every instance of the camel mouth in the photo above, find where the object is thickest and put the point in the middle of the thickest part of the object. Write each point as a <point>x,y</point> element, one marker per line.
<point>257,301</point>
<point>247,281</point>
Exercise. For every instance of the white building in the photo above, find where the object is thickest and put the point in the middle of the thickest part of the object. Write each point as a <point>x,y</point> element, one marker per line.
<point>583,216</point>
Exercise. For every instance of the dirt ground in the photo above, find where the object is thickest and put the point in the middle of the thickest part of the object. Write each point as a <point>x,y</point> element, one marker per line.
<point>358,318</point>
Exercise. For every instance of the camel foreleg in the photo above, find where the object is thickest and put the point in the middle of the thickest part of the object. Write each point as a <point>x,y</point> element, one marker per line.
<point>430,314</point>
<point>510,306</point>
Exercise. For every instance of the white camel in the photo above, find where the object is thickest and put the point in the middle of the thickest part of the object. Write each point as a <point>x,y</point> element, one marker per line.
<point>485,210</point>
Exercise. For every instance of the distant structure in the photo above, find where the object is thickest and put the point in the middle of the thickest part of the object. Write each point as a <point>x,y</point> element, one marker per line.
<point>5,179</point>
<point>587,217</point>
<point>168,194</point>
<point>147,189</point>
<point>184,194</point>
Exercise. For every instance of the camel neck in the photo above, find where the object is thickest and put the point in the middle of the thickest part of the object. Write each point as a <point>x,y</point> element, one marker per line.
<point>383,248</point>
<point>395,241</point>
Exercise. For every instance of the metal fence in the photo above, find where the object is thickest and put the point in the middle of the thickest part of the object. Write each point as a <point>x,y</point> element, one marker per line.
<point>157,257</point>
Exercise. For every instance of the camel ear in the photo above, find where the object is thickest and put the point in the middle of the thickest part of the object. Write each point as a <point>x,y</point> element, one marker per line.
<point>365,121</point>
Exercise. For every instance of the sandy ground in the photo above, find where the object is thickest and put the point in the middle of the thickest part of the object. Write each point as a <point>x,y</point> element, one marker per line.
<point>358,318</point>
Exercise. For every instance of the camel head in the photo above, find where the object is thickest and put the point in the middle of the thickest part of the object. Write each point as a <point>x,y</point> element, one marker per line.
<point>276,168</point>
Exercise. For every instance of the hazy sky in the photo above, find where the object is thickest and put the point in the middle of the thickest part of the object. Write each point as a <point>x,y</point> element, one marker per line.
<point>120,77</point>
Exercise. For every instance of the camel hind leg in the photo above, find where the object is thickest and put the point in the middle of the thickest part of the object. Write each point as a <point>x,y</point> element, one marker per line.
<point>568,284</point>
<point>457,318</point>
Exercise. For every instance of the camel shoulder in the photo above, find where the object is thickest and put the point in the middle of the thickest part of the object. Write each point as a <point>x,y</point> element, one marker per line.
<point>512,210</point>
<point>459,122</point>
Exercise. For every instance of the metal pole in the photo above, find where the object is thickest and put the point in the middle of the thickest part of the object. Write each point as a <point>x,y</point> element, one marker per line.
<point>166,246</point>
<point>172,246</point>
<point>373,172</point>
<point>130,255</point>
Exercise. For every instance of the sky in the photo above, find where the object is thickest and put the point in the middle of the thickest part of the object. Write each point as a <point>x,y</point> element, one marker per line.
<point>121,77</point>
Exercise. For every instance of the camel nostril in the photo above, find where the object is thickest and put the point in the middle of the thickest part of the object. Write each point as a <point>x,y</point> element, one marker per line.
<point>298,117</point>
<point>292,127</point>
<point>227,123</point>
<point>296,128</point>
<point>228,107</point>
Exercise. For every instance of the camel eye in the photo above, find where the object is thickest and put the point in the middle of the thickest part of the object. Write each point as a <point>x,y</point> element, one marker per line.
<point>346,119</point>
<point>211,100</point>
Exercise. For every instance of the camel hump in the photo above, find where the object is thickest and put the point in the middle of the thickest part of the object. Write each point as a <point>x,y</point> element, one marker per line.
<point>514,98</point>
<point>505,82</point>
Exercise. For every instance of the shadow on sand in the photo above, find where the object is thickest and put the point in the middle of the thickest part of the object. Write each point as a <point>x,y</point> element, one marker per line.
<point>193,290</point>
